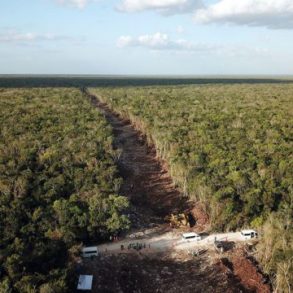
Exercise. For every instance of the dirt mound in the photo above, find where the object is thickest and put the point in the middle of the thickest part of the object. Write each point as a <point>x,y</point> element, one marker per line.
<point>248,273</point>
<point>200,216</point>
<point>243,271</point>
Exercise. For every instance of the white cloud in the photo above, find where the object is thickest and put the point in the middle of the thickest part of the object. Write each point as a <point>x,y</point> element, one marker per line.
<point>75,3</point>
<point>156,41</point>
<point>161,6</point>
<point>12,36</point>
<point>162,42</point>
<point>124,41</point>
<point>275,14</point>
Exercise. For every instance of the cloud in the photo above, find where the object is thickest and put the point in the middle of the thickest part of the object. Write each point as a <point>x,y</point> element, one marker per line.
<point>74,3</point>
<point>155,41</point>
<point>162,42</point>
<point>166,7</point>
<point>273,14</point>
<point>12,36</point>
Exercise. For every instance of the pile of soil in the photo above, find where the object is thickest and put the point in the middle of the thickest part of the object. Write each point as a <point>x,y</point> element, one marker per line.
<point>243,270</point>
<point>248,273</point>
<point>201,217</point>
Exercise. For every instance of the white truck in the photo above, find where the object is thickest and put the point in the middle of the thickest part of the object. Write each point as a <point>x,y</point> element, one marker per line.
<point>191,237</point>
<point>89,251</point>
<point>249,234</point>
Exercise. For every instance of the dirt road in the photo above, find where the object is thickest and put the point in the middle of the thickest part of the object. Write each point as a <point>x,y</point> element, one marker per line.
<point>146,181</point>
<point>170,241</point>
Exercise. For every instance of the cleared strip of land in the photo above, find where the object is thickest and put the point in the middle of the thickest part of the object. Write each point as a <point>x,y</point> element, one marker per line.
<point>163,264</point>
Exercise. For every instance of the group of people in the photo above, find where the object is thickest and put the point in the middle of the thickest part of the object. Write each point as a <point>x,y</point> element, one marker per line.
<point>114,238</point>
<point>136,246</point>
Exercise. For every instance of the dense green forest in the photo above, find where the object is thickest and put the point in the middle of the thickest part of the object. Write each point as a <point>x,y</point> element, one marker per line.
<point>29,81</point>
<point>58,186</point>
<point>229,147</point>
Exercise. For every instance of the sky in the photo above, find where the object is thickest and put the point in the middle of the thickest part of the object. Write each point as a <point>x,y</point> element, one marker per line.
<point>146,37</point>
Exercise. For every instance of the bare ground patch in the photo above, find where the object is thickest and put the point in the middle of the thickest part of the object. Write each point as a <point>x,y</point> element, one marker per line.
<point>154,196</point>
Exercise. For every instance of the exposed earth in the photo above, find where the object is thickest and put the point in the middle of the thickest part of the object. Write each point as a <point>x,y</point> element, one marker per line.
<point>146,181</point>
<point>174,272</point>
<point>165,263</point>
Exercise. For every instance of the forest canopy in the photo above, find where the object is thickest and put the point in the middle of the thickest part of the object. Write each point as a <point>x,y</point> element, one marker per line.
<point>58,186</point>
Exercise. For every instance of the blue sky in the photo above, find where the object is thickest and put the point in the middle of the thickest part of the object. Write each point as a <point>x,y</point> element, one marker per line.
<point>174,37</point>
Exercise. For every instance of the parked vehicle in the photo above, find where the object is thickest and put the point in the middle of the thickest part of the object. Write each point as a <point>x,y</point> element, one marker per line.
<point>191,237</point>
<point>85,282</point>
<point>90,251</point>
<point>249,234</point>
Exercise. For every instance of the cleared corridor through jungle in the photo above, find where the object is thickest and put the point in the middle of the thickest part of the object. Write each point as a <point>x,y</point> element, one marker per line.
<point>154,196</point>
<point>146,181</point>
